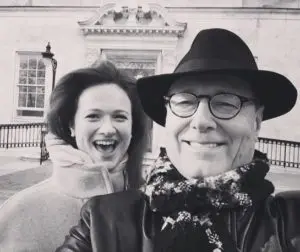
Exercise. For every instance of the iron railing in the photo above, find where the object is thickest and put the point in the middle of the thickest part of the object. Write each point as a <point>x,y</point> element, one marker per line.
<point>280,152</point>
<point>24,135</point>
<point>21,135</point>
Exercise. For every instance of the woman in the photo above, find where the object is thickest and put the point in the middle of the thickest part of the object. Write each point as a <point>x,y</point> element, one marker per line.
<point>207,190</point>
<point>97,141</point>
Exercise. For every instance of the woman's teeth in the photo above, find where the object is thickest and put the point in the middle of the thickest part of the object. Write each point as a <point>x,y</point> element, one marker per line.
<point>105,145</point>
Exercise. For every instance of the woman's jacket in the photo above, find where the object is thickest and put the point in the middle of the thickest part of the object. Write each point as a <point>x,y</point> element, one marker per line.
<point>123,222</point>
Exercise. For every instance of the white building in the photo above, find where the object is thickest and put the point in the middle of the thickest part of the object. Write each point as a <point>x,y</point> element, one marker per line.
<point>145,37</point>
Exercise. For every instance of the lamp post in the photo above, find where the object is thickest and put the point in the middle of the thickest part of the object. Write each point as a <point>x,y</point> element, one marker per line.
<point>44,155</point>
<point>49,55</point>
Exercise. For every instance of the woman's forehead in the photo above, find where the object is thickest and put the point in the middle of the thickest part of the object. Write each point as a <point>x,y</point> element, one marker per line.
<point>211,84</point>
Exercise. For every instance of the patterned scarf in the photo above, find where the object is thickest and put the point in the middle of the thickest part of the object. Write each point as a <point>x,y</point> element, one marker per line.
<point>190,208</point>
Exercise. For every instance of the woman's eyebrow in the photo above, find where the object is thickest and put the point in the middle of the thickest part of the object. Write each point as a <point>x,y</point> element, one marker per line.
<point>121,111</point>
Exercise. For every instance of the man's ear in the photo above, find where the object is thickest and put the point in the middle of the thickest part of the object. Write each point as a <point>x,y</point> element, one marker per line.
<point>259,118</point>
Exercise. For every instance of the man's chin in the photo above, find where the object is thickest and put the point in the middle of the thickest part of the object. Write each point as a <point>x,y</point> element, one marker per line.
<point>207,169</point>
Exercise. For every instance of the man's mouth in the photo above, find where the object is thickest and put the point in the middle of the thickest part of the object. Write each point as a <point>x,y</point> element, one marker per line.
<point>106,146</point>
<point>203,145</point>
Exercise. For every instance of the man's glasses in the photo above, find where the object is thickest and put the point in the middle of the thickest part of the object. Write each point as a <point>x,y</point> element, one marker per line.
<point>221,106</point>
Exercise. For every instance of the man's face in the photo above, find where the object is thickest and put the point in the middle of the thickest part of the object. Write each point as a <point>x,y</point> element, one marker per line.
<point>202,145</point>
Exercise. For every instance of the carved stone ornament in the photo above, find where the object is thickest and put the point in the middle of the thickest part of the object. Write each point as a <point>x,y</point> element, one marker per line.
<point>141,20</point>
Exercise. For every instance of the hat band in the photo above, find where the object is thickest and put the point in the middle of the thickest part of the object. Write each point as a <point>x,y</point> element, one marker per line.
<point>213,64</point>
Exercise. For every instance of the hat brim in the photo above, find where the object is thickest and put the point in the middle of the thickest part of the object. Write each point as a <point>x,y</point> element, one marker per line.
<point>275,91</point>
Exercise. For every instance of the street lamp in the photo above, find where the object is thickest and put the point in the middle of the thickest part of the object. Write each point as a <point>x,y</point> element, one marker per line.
<point>49,55</point>
<point>44,155</point>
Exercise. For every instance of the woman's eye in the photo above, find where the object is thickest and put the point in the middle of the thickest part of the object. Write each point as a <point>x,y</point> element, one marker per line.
<point>92,116</point>
<point>121,117</point>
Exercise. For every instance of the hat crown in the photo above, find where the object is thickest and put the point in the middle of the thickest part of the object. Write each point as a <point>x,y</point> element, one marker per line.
<point>217,49</point>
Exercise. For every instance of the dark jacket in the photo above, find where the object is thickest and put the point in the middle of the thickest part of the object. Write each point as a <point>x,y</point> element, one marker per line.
<point>123,222</point>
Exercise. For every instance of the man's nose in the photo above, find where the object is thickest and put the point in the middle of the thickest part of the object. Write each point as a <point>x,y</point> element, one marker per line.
<point>203,120</point>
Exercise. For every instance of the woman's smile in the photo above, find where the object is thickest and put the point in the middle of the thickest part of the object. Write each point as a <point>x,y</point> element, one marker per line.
<point>106,146</point>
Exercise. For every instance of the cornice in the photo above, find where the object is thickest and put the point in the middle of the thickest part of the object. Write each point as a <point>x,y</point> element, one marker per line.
<point>146,20</point>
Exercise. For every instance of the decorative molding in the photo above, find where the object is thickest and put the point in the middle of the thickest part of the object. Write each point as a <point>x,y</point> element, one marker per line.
<point>147,20</point>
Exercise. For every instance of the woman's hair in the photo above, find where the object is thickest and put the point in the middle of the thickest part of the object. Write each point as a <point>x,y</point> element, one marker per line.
<point>63,106</point>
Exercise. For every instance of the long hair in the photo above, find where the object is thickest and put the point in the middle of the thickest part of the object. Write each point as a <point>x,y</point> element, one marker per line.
<point>64,102</point>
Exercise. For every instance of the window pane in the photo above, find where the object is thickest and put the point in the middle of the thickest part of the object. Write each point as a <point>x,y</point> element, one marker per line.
<point>31,80</point>
<point>32,63</point>
<point>23,73</point>
<point>40,81</point>
<point>32,73</point>
<point>22,100</point>
<point>31,100</point>
<point>22,80</point>
<point>31,89</point>
<point>40,90</point>
<point>41,64</point>
<point>41,74</point>
<point>30,113</point>
<point>23,63</point>
<point>23,89</point>
<point>40,101</point>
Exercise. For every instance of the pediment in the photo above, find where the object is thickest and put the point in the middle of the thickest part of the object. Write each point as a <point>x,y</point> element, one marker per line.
<point>146,19</point>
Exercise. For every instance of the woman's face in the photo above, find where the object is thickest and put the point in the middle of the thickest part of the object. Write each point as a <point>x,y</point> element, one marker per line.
<point>202,145</point>
<point>103,123</point>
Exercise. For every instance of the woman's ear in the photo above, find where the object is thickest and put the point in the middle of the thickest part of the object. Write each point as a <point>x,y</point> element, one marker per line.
<point>72,132</point>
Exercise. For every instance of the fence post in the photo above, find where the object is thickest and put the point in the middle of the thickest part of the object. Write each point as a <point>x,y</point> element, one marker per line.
<point>7,138</point>
<point>284,156</point>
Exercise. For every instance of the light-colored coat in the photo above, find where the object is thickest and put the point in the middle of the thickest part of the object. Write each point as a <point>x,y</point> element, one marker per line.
<point>38,218</point>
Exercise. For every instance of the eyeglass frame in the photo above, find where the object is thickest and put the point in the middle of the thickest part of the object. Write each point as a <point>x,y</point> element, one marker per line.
<point>243,100</point>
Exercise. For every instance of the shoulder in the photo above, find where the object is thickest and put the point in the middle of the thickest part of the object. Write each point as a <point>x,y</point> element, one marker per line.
<point>25,196</point>
<point>287,205</point>
<point>110,204</point>
<point>288,200</point>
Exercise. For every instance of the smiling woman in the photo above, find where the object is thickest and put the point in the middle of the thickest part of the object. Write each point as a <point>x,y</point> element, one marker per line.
<point>97,139</point>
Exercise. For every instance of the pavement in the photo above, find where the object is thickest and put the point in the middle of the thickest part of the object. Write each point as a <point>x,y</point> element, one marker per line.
<point>19,169</point>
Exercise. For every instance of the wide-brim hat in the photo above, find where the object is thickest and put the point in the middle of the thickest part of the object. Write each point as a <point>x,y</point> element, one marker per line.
<point>219,51</point>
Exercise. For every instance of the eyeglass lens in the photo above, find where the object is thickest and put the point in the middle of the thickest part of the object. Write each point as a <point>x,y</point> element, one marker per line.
<point>221,105</point>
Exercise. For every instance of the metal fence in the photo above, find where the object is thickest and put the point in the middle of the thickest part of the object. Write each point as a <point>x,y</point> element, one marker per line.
<point>280,152</point>
<point>21,135</point>
<point>24,135</point>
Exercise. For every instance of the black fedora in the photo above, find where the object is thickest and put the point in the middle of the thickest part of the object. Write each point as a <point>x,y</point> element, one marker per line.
<point>220,51</point>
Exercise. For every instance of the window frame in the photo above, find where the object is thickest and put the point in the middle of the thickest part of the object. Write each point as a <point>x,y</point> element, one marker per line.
<point>17,84</point>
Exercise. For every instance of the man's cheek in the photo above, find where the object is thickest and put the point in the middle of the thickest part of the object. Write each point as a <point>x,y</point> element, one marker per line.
<point>244,152</point>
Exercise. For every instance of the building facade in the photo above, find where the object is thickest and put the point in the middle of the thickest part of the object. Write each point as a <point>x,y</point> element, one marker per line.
<point>144,37</point>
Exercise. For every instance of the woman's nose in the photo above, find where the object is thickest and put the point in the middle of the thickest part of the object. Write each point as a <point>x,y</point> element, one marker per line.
<point>106,127</point>
<point>203,120</point>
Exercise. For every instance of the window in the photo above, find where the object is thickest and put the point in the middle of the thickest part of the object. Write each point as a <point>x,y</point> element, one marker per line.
<point>31,77</point>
